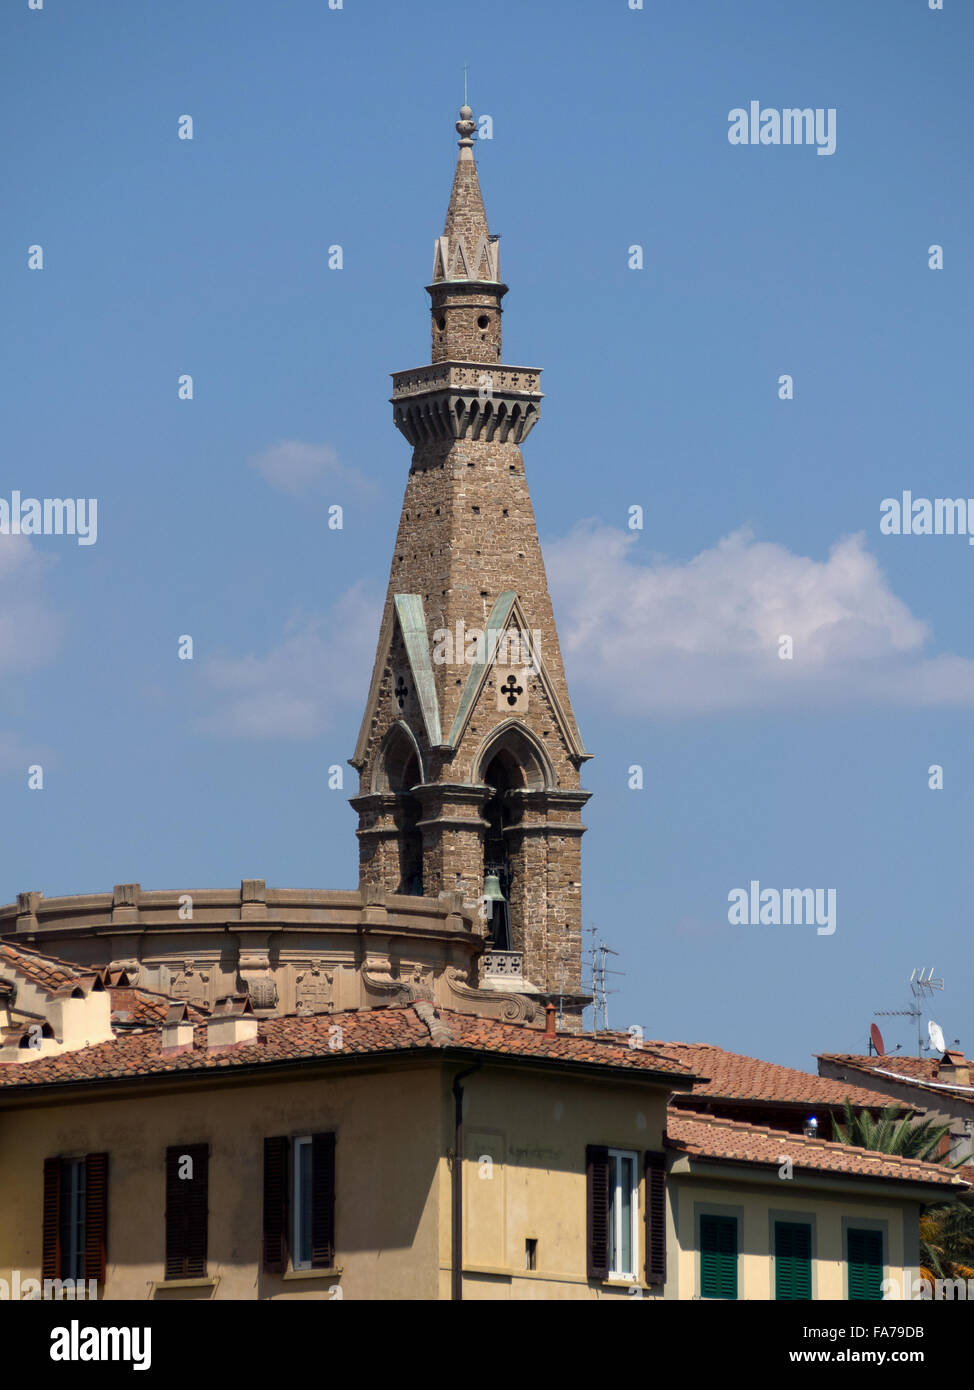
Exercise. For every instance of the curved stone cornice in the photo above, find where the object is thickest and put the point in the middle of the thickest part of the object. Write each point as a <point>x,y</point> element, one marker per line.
<point>511,1008</point>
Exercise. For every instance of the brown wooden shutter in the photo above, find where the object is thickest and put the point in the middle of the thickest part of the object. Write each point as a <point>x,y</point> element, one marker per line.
<point>96,1216</point>
<point>597,1188</point>
<point>275,1204</point>
<point>187,1212</point>
<point>51,1244</point>
<point>322,1201</point>
<point>655,1171</point>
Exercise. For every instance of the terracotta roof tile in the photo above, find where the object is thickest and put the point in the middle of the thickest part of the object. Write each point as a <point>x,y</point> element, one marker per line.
<point>367,1031</point>
<point>706,1136</point>
<point>732,1076</point>
<point>48,972</point>
<point>921,1071</point>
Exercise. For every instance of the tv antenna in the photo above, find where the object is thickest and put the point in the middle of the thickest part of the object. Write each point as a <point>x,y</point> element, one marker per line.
<point>600,971</point>
<point>922,984</point>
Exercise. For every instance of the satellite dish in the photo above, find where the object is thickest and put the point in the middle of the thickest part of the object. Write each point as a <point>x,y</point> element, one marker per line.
<point>877,1039</point>
<point>936,1036</point>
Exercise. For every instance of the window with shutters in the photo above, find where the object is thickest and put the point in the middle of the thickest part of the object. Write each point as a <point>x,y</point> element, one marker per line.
<point>865,1256</point>
<point>75,1218</point>
<point>623,1213</point>
<point>792,1260</point>
<point>718,1257</point>
<point>187,1210</point>
<point>299,1203</point>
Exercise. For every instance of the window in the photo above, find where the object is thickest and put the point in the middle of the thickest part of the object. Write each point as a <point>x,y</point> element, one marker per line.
<point>303,1189</point>
<point>187,1210</point>
<point>531,1253</point>
<point>865,1256</point>
<point>299,1202</point>
<point>74,1239</point>
<point>623,1213</point>
<point>612,1198</point>
<point>72,1218</point>
<point>792,1260</point>
<point>718,1257</point>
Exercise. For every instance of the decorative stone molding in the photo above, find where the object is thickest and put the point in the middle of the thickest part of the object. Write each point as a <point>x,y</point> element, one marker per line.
<point>27,904</point>
<point>448,415</point>
<point>314,990</point>
<point>501,963</point>
<point>511,1008</point>
<point>125,902</point>
<point>253,894</point>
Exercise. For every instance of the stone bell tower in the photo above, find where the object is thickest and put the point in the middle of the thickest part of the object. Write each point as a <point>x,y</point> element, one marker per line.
<point>469,753</point>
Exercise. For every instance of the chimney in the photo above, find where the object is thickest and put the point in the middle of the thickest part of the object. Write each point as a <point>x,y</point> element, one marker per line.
<point>232,1023</point>
<point>550,1013</point>
<point>177,1030</point>
<point>954,1069</point>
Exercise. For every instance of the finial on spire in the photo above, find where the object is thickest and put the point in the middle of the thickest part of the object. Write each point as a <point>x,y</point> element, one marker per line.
<point>465,128</point>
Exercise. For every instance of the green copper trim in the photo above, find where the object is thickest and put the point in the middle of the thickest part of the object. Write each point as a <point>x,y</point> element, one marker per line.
<point>412,624</point>
<point>496,625</point>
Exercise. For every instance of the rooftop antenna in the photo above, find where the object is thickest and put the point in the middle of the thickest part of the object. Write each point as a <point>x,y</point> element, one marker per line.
<point>600,971</point>
<point>922,983</point>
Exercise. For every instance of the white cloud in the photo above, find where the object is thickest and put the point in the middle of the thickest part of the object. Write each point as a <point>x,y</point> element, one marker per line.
<point>299,468</point>
<point>670,638</point>
<point>321,665</point>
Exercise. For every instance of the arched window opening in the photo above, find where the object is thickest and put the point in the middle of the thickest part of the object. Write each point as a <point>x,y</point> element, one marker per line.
<point>502,775</point>
<point>407,816</point>
<point>398,770</point>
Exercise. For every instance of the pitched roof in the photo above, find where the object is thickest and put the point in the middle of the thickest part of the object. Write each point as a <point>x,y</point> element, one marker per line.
<point>290,1038</point>
<point>732,1076</point>
<point>48,972</point>
<point>707,1136</point>
<point>915,1071</point>
<point>133,1007</point>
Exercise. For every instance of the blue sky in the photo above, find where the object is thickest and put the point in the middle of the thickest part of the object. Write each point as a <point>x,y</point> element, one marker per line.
<point>315,127</point>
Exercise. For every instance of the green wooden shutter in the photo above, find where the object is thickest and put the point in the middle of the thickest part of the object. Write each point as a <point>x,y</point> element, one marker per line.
<point>718,1257</point>
<point>865,1264</point>
<point>792,1260</point>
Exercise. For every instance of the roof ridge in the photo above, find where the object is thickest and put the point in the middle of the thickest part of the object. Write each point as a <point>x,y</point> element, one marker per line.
<point>437,1028</point>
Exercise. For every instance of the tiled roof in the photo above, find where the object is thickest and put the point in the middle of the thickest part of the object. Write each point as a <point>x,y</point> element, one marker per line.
<point>706,1136</point>
<point>290,1039</point>
<point>732,1076</point>
<point>918,1070</point>
<point>143,1008</point>
<point>48,972</point>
